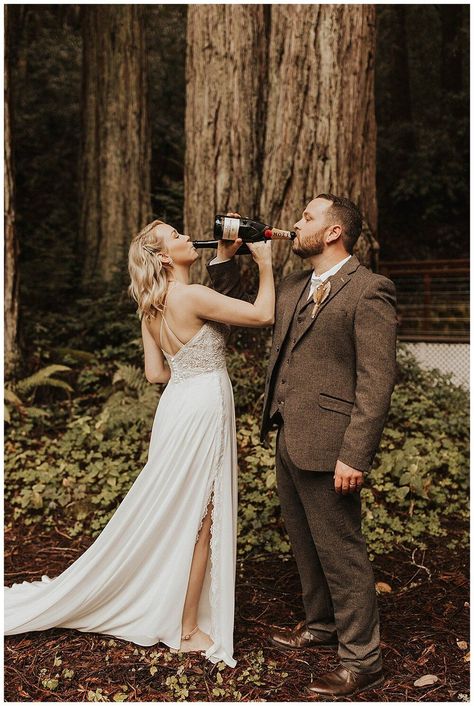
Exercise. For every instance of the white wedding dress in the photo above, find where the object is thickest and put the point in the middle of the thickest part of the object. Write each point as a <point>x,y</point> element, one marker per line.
<point>131,582</point>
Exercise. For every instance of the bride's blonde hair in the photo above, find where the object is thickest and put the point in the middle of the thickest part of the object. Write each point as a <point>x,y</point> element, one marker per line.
<point>148,273</point>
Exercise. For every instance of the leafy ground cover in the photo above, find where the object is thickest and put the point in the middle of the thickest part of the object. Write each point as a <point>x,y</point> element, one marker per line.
<point>424,631</point>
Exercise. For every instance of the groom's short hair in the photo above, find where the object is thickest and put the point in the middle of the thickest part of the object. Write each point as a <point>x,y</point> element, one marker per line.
<point>350,217</point>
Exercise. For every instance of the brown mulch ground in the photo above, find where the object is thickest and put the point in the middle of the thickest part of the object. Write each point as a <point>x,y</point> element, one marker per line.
<point>422,619</point>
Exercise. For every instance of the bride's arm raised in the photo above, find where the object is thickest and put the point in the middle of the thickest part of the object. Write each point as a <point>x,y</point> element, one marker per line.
<point>156,368</point>
<point>224,271</point>
<point>209,304</point>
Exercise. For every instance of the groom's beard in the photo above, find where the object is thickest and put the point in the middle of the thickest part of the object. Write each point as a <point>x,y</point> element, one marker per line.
<point>313,245</point>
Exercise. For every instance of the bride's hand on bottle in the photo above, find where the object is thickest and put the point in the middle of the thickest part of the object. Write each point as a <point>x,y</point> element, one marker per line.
<point>227,248</point>
<point>261,252</point>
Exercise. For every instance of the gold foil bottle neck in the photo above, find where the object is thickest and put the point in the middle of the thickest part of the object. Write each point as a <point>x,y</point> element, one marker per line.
<point>278,234</point>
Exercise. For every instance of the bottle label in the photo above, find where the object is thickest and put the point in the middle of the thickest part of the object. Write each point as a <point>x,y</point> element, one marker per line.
<point>230,229</point>
<point>278,234</point>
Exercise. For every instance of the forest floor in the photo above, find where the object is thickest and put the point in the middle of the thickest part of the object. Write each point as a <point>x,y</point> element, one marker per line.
<point>423,618</point>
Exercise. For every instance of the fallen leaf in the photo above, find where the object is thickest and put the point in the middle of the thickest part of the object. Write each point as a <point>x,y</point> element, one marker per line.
<point>382,587</point>
<point>454,577</point>
<point>429,650</point>
<point>467,657</point>
<point>462,644</point>
<point>426,680</point>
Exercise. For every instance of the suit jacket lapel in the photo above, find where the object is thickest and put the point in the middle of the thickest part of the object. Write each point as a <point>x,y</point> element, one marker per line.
<point>293,297</point>
<point>338,281</point>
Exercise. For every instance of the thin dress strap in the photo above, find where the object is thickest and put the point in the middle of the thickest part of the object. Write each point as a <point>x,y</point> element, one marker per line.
<point>163,320</point>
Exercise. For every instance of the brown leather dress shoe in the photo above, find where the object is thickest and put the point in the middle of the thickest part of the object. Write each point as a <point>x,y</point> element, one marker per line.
<point>342,682</point>
<point>298,638</point>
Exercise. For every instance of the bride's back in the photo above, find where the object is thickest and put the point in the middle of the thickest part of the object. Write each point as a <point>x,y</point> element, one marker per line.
<point>177,325</point>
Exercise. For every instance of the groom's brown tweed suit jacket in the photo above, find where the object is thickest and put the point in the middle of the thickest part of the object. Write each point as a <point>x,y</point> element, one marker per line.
<point>340,366</point>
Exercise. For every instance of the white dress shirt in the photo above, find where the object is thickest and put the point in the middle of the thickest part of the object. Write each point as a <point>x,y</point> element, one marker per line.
<point>316,280</point>
<point>211,262</point>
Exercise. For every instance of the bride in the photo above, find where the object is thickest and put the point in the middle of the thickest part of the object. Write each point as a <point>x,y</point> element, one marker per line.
<point>163,568</point>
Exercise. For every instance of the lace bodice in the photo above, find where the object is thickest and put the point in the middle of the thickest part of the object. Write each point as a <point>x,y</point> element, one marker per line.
<point>203,353</point>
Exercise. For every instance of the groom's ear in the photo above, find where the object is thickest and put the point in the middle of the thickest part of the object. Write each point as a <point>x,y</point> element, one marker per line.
<point>334,234</point>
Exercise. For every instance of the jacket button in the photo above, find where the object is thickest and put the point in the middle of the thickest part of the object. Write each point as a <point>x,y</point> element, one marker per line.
<point>277,348</point>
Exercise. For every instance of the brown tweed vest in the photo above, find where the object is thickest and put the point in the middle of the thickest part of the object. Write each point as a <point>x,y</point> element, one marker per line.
<point>298,324</point>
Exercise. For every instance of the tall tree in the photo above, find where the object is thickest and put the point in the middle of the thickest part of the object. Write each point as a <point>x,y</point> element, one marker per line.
<point>321,131</point>
<point>115,164</point>
<point>266,133</point>
<point>225,118</point>
<point>11,248</point>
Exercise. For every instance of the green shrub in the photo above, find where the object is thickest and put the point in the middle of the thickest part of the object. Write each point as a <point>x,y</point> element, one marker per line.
<point>417,488</point>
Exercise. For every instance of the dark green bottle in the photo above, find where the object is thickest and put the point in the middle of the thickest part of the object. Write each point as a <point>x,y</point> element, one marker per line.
<point>230,228</point>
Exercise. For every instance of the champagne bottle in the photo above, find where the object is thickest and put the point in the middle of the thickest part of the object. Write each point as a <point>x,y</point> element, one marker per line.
<point>230,228</point>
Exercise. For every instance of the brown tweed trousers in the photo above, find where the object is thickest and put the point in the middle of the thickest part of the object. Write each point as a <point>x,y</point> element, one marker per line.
<point>328,389</point>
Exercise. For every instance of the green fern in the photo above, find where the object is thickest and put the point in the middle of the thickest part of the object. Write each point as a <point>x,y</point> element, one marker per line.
<point>44,377</point>
<point>132,401</point>
<point>24,387</point>
<point>10,396</point>
<point>74,354</point>
<point>132,376</point>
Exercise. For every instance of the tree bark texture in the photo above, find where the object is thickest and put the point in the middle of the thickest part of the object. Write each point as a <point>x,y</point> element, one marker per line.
<point>321,130</point>
<point>11,247</point>
<point>315,92</point>
<point>116,149</point>
<point>225,119</point>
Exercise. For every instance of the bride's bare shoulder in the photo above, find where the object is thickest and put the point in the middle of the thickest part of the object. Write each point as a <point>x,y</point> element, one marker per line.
<point>200,288</point>
<point>186,299</point>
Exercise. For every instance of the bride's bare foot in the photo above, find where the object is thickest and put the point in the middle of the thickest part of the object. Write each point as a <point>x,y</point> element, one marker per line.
<point>197,642</point>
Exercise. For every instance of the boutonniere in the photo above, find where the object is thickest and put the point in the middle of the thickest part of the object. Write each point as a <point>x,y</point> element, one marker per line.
<point>320,295</point>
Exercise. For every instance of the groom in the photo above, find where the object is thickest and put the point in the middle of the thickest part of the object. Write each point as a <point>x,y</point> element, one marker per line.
<point>330,378</point>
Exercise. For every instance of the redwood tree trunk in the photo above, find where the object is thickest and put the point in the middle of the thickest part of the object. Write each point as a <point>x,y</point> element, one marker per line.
<point>225,121</point>
<point>314,95</point>
<point>116,149</point>
<point>321,131</point>
<point>11,247</point>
